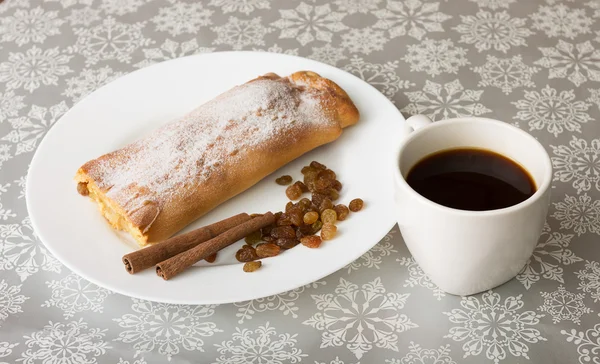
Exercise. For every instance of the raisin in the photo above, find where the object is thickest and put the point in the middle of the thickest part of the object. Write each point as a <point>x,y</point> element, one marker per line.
<point>284,180</point>
<point>304,204</point>
<point>327,174</point>
<point>253,237</point>
<point>328,231</point>
<point>252,266</point>
<point>285,243</point>
<point>283,232</point>
<point>341,211</point>
<point>317,198</point>
<point>316,226</point>
<point>309,179</point>
<point>322,184</point>
<point>333,194</point>
<point>303,231</point>
<point>278,215</point>
<point>302,186</point>
<point>296,217</point>
<point>356,205</point>
<point>337,185</point>
<point>211,258</point>
<point>267,250</point>
<point>288,206</point>
<point>328,216</point>
<point>310,217</point>
<point>269,239</point>
<point>246,254</point>
<point>317,165</point>
<point>293,192</point>
<point>266,231</point>
<point>284,220</point>
<point>307,169</point>
<point>311,241</point>
<point>82,189</point>
<point>326,204</point>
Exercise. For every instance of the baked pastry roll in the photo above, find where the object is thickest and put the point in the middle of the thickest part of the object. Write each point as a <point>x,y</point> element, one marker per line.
<point>155,186</point>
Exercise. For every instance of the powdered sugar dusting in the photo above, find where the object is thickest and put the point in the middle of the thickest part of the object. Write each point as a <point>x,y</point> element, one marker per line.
<point>190,150</point>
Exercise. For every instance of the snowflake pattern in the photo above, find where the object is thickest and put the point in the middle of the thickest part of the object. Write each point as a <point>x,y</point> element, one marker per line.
<point>139,361</point>
<point>578,163</point>
<point>435,57</point>
<point>65,343</point>
<point>69,3</point>
<point>589,279</point>
<point>575,62</point>
<point>84,16</point>
<point>439,101</point>
<point>496,31</point>
<point>4,153</point>
<point>561,21</point>
<point>27,26</point>
<point>171,49</point>
<point>374,257</point>
<point>594,97</point>
<point>240,33</point>
<point>580,214</point>
<point>381,76</point>
<point>74,294</point>
<point>284,302</point>
<point>10,300</point>
<point>166,327</point>
<point>506,74</point>
<point>334,361</point>
<point>552,111</point>
<point>418,355</point>
<point>21,251</point>
<point>121,7</point>
<point>412,17</point>
<point>110,40</point>
<point>88,81</point>
<point>6,349</point>
<point>277,49</point>
<point>308,23</point>
<point>364,40</point>
<point>262,345</point>
<point>29,130</point>
<point>181,18</point>
<point>494,4</point>
<point>495,326</point>
<point>327,54</point>
<point>588,343</point>
<point>357,6</point>
<point>563,305</point>
<point>10,105</point>
<point>242,6</point>
<point>551,252</point>
<point>33,68</point>
<point>418,278</point>
<point>361,317</point>
<point>14,4</point>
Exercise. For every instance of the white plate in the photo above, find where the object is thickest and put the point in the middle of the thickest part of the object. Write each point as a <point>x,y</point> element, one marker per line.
<point>120,112</point>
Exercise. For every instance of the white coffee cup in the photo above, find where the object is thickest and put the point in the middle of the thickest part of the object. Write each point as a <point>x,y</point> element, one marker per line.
<point>466,252</point>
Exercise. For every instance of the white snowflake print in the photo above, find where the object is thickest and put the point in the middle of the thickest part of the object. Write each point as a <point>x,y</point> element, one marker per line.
<point>262,345</point>
<point>364,40</point>
<point>506,74</point>
<point>33,68</point>
<point>10,105</point>
<point>496,31</point>
<point>277,49</point>
<point>374,257</point>
<point>357,6</point>
<point>418,278</point>
<point>334,361</point>
<point>69,3</point>
<point>594,97</point>
<point>494,326</point>
<point>494,4</point>
<point>21,182</point>
<point>4,153</point>
<point>29,130</point>
<point>138,361</point>
<point>284,302</point>
<point>110,40</point>
<point>171,49</point>
<point>575,62</point>
<point>435,57</point>
<point>7,5</point>
<point>166,328</point>
<point>241,33</point>
<point>21,251</point>
<point>418,355</point>
<point>74,294</point>
<point>588,343</point>
<point>361,317</point>
<point>181,18</point>
<point>594,4</point>
<point>6,213</point>
<point>65,343</point>
<point>411,17</point>
<point>121,7</point>
<point>551,252</point>
<point>308,23</point>
<point>6,349</point>
<point>33,25</point>
<point>10,300</point>
<point>382,76</point>
<point>552,111</point>
<point>242,6</point>
<point>327,54</point>
<point>590,279</point>
<point>578,163</point>
<point>89,80</point>
<point>561,21</point>
<point>439,101</point>
<point>563,305</point>
<point>580,214</point>
<point>84,16</point>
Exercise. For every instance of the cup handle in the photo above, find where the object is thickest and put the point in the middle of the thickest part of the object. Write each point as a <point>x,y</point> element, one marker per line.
<point>417,122</point>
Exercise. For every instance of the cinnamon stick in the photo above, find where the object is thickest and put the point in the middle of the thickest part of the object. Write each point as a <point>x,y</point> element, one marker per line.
<point>147,257</point>
<point>177,264</point>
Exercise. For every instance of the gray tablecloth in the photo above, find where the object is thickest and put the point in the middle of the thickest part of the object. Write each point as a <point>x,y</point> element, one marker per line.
<point>533,64</point>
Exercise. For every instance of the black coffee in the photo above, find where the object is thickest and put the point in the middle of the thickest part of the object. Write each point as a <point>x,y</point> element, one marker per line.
<point>471,179</point>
